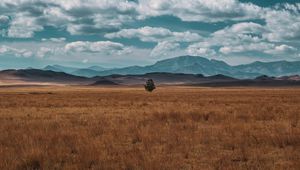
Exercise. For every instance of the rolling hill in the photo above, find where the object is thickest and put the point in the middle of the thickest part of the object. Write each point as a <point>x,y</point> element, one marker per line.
<point>36,76</point>
<point>42,77</point>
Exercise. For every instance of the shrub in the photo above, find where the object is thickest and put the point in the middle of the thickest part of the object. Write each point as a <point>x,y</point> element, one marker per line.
<point>150,86</point>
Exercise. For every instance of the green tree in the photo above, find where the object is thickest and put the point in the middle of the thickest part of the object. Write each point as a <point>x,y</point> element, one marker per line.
<point>149,86</point>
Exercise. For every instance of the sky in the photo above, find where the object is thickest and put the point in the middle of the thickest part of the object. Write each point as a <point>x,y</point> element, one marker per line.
<point>118,33</point>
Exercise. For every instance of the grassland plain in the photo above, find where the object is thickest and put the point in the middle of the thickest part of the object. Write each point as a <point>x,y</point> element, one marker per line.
<point>128,128</point>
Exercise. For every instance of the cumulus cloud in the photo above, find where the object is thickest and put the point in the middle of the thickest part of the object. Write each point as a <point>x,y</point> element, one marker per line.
<point>267,48</point>
<point>155,34</point>
<point>282,49</point>
<point>276,32</point>
<point>246,48</point>
<point>199,50</point>
<point>242,37</point>
<point>23,27</point>
<point>106,47</point>
<point>283,24</point>
<point>15,51</point>
<point>239,37</point>
<point>44,52</point>
<point>200,10</point>
<point>242,28</point>
<point>164,48</point>
<point>37,51</point>
<point>98,16</point>
<point>239,33</point>
<point>78,16</point>
<point>95,16</point>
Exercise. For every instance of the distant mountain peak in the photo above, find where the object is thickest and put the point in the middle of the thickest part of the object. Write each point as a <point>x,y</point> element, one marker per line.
<point>97,68</point>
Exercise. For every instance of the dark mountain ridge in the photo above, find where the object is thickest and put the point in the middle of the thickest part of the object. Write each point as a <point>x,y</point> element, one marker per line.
<point>36,75</point>
<point>41,76</point>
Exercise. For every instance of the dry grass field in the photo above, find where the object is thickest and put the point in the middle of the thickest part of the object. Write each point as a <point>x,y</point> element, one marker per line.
<point>128,128</point>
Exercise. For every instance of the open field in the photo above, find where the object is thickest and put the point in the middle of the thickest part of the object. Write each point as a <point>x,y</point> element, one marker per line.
<point>128,128</point>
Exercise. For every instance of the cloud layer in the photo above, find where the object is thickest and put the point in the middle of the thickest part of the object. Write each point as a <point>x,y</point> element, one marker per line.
<point>106,47</point>
<point>151,34</point>
<point>121,27</point>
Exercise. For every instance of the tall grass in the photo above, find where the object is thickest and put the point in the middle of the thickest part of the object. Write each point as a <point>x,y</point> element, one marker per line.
<point>127,128</point>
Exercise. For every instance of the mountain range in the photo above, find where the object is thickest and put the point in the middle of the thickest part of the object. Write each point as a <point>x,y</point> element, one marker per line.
<point>29,77</point>
<point>184,70</point>
<point>191,65</point>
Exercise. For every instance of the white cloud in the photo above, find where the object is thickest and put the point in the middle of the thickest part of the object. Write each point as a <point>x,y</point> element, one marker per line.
<point>94,16</point>
<point>98,16</point>
<point>283,25</point>
<point>77,16</point>
<point>242,37</point>
<point>246,48</point>
<point>242,28</point>
<point>248,32</point>
<point>239,37</point>
<point>278,35</point>
<point>44,52</point>
<point>200,10</point>
<point>57,40</point>
<point>282,49</point>
<point>23,27</point>
<point>155,34</point>
<point>7,50</point>
<point>199,50</point>
<point>106,47</point>
<point>33,49</point>
<point>164,49</point>
<point>264,47</point>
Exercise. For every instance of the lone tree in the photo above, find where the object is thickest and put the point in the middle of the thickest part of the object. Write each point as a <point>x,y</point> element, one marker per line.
<point>149,86</point>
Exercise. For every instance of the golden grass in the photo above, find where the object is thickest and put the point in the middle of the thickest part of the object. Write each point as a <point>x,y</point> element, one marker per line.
<point>128,128</point>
